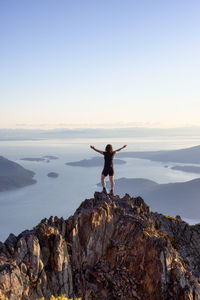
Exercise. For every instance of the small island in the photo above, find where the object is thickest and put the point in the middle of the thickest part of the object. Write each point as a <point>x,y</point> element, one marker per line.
<point>50,157</point>
<point>46,158</point>
<point>13,175</point>
<point>187,169</point>
<point>53,175</point>
<point>93,162</point>
<point>37,159</point>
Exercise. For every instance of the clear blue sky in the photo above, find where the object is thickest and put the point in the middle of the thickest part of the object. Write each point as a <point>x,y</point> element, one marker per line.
<point>99,63</point>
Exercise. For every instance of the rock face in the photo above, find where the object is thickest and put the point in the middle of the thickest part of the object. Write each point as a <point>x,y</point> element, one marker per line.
<point>112,248</point>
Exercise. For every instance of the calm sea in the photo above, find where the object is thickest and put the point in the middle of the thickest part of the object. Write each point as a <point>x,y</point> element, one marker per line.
<point>24,208</point>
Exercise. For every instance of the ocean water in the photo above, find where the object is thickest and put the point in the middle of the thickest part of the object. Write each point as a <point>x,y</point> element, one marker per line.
<point>24,208</point>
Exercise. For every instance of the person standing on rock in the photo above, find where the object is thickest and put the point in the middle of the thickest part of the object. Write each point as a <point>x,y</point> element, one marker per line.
<point>108,166</point>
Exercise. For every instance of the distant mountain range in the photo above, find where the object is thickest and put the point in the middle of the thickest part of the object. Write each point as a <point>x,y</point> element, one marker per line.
<point>68,132</point>
<point>180,198</point>
<point>187,155</point>
<point>13,176</point>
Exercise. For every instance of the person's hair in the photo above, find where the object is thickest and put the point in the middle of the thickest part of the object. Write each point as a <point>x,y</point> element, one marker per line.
<point>109,148</point>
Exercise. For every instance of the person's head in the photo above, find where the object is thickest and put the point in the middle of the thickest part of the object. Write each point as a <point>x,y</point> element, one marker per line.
<point>109,148</point>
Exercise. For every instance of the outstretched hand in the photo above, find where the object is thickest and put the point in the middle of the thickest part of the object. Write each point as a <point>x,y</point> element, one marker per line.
<point>124,146</point>
<point>92,147</point>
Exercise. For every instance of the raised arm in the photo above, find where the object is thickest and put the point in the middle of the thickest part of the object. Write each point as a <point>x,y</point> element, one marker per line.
<point>120,149</point>
<point>99,151</point>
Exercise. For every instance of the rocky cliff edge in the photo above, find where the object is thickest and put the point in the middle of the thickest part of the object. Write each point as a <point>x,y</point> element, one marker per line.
<point>112,248</point>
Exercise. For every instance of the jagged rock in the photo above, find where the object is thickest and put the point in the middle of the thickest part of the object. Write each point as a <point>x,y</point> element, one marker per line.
<point>112,248</point>
<point>10,243</point>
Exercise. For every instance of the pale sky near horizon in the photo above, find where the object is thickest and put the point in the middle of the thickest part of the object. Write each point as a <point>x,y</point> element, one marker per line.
<point>99,63</point>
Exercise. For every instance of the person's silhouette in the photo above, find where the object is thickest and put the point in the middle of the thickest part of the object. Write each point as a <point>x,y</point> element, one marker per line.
<point>108,166</point>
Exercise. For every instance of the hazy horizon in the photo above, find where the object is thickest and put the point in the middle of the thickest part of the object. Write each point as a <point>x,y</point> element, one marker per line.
<point>126,133</point>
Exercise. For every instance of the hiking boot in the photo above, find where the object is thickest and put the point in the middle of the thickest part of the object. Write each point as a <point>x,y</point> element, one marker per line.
<point>104,191</point>
<point>111,193</point>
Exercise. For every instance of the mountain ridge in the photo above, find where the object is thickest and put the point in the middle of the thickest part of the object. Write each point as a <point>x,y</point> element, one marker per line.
<point>111,248</point>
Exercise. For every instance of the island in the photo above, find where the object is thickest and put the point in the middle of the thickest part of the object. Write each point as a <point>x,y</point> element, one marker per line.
<point>187,169</point>
<point>53,175</point>
<point>46,158</point>
<point>188,155</point>
<point>93,162</point>
<point>37,159</point>
<point>13,175</point>
<point>50,157</point>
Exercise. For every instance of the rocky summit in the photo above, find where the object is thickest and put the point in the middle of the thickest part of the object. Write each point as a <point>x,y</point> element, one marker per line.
<point>112,248</point>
